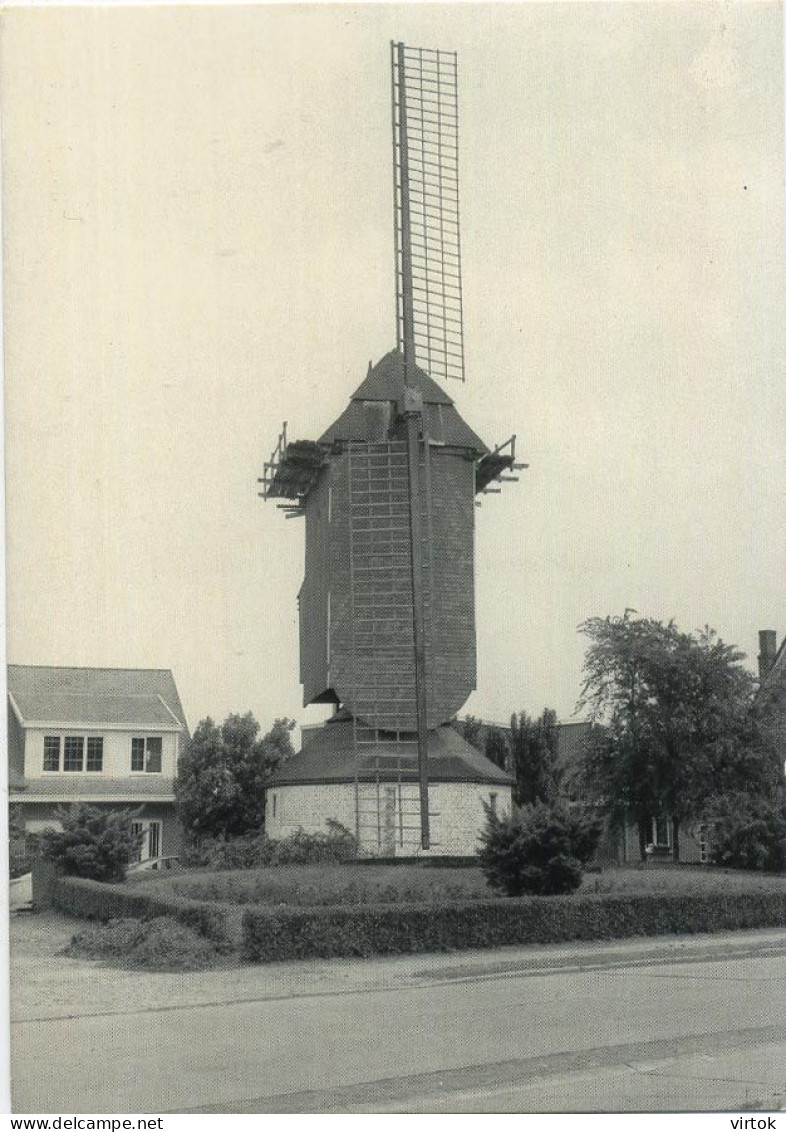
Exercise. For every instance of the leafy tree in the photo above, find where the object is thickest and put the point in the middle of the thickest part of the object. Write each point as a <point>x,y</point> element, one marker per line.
<point>678,727</point>
<point>533,757</point>
<point>94,842</point>
<point>747,832</point>
<point>534,851</point>
<point>221,779</point>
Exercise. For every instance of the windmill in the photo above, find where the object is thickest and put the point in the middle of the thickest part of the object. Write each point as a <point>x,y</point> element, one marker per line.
<point>387,630</point>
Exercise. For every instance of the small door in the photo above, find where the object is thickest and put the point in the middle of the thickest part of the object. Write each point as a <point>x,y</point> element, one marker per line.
<point>389,822</point>
<point>150,845</point>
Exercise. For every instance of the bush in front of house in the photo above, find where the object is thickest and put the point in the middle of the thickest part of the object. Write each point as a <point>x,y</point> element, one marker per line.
<point>303,848</point>
<point>95,843</point>
<point>160,944</point>
<point>536,850</point>
<point>254,850</point>
<point>274,934</point>
<point>747,832</point>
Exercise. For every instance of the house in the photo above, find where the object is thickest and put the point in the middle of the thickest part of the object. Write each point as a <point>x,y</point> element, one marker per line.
<point>616,846</point>
<point>110,737</point>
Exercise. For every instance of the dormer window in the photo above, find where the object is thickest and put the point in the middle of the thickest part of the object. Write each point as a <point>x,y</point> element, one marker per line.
<point>73,747</point>
<point>146,755</point>
<point>52,752</point>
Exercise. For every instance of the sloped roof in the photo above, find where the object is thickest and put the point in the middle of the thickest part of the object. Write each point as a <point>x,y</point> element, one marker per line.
<point>31,680</point>
<point>143,711</point>
<point>84,787</point>
<point>385,383</point>
<point>328,756</point>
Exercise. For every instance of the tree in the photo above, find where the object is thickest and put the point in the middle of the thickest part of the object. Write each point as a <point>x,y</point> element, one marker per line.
<point>747,831</point>
<point>533,757</point>
<point>221,779</point>
<point>94,842</point>
<point>678,724</point>
<point>471,729</point>
<point>497,749</point>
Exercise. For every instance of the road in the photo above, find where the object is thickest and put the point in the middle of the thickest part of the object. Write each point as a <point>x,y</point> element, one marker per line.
<point>669,1024</point>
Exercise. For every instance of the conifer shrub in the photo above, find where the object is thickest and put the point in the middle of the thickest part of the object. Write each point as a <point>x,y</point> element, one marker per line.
<point>94,842</point>
<point>537,850</point>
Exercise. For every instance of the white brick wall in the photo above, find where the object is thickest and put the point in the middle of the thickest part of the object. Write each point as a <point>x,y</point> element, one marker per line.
<point>457,815</point>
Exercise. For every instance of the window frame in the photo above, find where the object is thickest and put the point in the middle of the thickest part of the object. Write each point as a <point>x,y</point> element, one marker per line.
<point>667,844</point>
<point>49,769</point>
<point>74,739</point>
<point>62,741</point>
<point>94,739</point>
<point>145,740</point>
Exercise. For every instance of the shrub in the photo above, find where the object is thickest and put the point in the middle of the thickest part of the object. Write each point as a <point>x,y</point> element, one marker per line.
<point>94,842</point>
<point>92,900</point>
<point>747,832</point>
<point>159,944</point>
<point>254,850</point>
<point>303,848</point>
<point>535,851</point>
<point>247,851</point>
<point>273,934</point>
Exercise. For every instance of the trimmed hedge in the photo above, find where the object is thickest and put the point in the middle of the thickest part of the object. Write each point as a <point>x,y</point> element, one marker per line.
<point>271,934</point>
<point>95,900</point>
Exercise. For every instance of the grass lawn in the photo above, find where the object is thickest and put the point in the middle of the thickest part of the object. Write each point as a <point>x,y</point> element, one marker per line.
<point>308,885</point>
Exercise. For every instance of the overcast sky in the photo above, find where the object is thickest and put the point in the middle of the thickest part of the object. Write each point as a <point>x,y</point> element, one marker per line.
<point>198,245</point>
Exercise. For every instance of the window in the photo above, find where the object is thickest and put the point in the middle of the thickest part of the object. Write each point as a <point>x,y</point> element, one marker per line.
<point>704,848</point>
<point>493,803</point>
<point>51,752</point>
<point>273,800</point>
<point>661,831</point>
<point>74,752</point>
<point>95,753</point>
<point>137,755</point>
<point>146,755</point>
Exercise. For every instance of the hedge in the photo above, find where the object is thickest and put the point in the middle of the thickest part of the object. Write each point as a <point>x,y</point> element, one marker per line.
<point>96,900</point>
<point>271,934</point>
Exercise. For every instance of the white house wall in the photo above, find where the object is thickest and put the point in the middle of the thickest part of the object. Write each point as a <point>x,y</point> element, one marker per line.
<point>117,754</point>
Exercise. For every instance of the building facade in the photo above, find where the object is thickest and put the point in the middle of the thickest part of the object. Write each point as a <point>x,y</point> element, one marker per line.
<point>103,736</point>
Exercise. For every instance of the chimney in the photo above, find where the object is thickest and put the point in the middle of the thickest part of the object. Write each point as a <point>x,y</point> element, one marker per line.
<point>767,651</point>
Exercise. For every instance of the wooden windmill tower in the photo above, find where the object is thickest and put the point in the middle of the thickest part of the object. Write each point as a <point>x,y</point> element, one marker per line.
<point>387,624</point>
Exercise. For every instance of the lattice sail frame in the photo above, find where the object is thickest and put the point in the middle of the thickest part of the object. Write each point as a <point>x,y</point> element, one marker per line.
<point>426,201</point>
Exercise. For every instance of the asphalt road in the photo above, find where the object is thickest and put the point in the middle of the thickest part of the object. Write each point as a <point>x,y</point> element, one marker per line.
<point>658,1025</point>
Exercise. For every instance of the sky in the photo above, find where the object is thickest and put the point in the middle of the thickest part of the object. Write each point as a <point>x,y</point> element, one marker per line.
<point>197,208</point>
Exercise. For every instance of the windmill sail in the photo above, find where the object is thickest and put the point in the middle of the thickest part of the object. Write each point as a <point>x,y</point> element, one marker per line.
<point>429,322</point>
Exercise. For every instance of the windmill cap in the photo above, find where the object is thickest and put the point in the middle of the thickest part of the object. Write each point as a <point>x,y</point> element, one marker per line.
<point>385,382</point>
